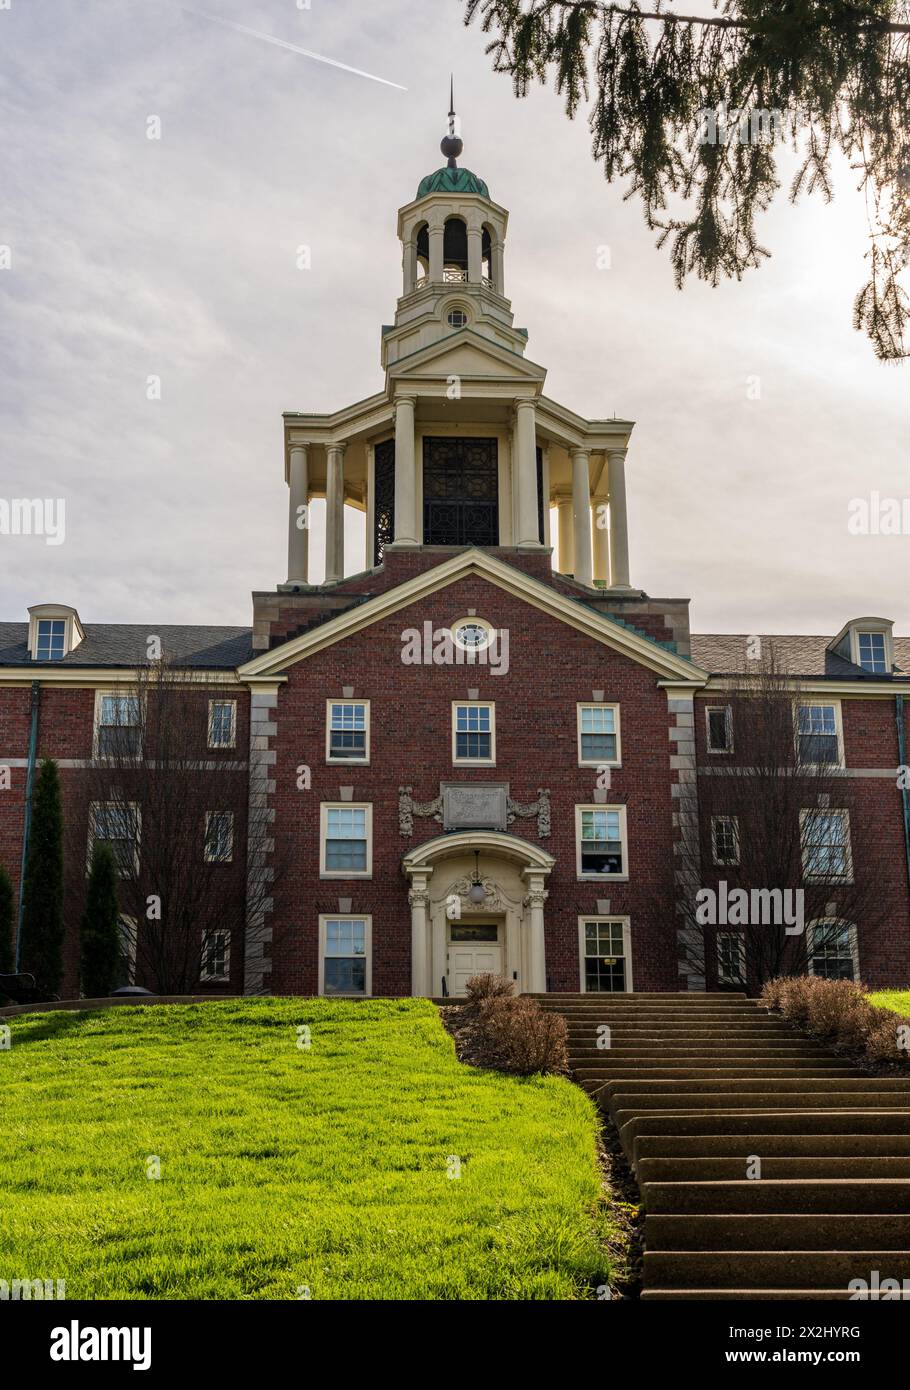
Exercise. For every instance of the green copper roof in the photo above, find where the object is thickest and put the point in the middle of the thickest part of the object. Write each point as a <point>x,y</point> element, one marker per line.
<point>452,181</point>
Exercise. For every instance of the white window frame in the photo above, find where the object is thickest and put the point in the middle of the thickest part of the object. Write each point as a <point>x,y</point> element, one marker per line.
<point>331,757</point>
<point>218,858</point>
<point>472,622</point>
<point>209,976</point>
<point>232,743</point>
<point>723,977</point>
<point>846,877</point>
<point>612,919</point>
<point>474,704</point>
<point>836,921</point>
<point>838,727</point>
<point>92,837</point>
<point>324,809</point>
<point>367,920</point>
<point>725,863</point>
<point>598,762</point>
<point>727,712</point>
<point>872,632</point>
<point>117,693</point>
<point>624,841</point>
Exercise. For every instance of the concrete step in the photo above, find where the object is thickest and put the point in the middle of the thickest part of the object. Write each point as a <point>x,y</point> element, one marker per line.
<point>729,1295</point>
<point>782,1195</point>
<point>706,1069</point>
<point>744,1085</point>
<point>626,1104</point>
<point>779,1147</point>
<point>820,1164</point>
<point>777,1231</point>
<point>763,1269</point>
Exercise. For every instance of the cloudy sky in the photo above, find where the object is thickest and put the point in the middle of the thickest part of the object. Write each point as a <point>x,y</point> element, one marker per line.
<point>174,258</point>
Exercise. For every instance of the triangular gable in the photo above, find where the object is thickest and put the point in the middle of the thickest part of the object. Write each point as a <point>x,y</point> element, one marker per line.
<point>642,650</point>
<point>467,354</point>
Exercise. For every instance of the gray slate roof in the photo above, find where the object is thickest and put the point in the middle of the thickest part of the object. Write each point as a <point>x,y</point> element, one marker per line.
<point>724,654</point>
<point>125,644</point>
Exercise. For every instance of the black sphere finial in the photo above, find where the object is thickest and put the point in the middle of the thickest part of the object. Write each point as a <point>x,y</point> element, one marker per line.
<point>451,143</point>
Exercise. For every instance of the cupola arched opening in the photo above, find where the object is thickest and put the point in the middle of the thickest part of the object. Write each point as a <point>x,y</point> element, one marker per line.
<point>486,256</point>
<point>455,250</point>
<point>422,245</point>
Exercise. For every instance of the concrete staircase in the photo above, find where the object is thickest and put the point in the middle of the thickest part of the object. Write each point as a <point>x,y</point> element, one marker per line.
<point>699,1087</point>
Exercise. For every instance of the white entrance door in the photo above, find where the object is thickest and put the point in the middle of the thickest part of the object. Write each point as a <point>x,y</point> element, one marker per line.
<point>473,950</point>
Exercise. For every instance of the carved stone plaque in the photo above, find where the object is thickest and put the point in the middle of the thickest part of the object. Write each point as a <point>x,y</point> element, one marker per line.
<point>475,805</point>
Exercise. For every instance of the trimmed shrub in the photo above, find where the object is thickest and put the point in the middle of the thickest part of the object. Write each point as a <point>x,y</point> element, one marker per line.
<point>513,1034</point>
<point>100,932</point>
<point>838,1012</point>
<point>42,889</point>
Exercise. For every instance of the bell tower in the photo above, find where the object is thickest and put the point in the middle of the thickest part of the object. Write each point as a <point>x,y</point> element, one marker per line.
<point>460,447</point>
<point>452,238</point>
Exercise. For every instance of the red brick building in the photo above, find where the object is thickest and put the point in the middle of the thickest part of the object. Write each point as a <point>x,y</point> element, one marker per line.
<point>465,758</point>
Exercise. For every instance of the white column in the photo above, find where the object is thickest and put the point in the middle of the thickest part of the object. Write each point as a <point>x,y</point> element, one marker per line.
<point>298,515</point>
<point>334,514</point>
<point>435,235</point>
<point>524,472</point>
<point>565,534</point>
<point>475,255</point>
<point>405,473</point>
<point>581,509</point>
<point>498,268</point>
<point>619,528</point>
<point>537,954</point>
<point>409,265</point>
<point>601,540</point>
<point>419,899</point>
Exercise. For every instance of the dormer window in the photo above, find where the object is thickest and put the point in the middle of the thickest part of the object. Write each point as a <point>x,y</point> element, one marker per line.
<point>54,630</point>
<point>866,643</point>
<point>51,643</point>
<point>872,650</point>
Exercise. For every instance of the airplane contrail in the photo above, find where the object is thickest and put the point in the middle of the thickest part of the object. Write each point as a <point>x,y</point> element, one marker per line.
<point>292,47</point>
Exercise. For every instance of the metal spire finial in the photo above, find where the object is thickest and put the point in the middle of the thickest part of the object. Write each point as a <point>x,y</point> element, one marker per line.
<point>452,143</point>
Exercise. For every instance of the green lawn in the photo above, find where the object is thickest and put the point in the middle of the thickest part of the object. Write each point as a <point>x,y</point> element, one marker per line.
<point>896,999</point>
<point>285,1169</point>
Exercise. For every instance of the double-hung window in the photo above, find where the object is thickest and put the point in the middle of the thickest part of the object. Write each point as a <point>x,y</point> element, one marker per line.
<point>118,726</point>
<point>825,842</point>
<point>606,965</point>
<point>832,950</point>
<point>222,723</point>
<point>347,731</point>
<point>601,842</point>
<point>346,840</point>
<point>219,837</point>
<point>216,956</point>
<point>116,824</point>
<point>719,722</point>
<point>818,735</point>
<point>725,839</point>
<point>474,733</point>
<point>344,957</point>
<point>598,735</point>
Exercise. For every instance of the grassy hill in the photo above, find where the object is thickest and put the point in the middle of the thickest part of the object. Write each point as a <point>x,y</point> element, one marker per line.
<point>287,1171</point>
